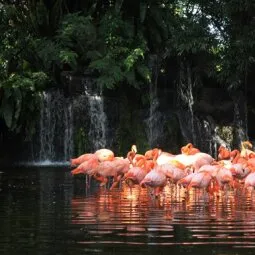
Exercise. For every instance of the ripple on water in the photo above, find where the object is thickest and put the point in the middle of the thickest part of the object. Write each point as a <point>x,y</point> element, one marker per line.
<point>50,212</point>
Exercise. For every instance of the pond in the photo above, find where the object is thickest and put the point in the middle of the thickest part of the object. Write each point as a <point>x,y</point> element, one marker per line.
<point>48,211</point>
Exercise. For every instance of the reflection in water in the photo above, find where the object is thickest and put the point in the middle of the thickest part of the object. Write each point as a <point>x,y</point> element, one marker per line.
<point>47,211</point>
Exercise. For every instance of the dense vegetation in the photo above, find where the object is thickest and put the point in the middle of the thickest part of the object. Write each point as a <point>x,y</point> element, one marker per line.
<point>206,40</point>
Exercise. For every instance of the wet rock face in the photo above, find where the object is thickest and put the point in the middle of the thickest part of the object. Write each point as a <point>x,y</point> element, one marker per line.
<point>123,117</point>
<point>216,103</point>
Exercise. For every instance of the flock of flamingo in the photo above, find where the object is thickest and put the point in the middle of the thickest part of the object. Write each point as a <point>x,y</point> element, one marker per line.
<point>156,168</point>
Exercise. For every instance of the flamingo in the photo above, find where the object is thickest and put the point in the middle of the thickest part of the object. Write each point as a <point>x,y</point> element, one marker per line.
<point>202,180</point>
<point>81,159</point>
<point>161,157</point>
<point>189,149</point>
<point>223,153</point>
<point>240,171</point>
<point>185,181</point>
<point>104,155</point>
<point>224,177</point>
<point>155,179</point>
<point>197,160</point>
<point>115,168</point>
<point>173,172</point>
<point>237,158</point>
<point>246,152</point>
<point>101,154</point>
<point>133,156</point>
<point>137,173</point>
<point>249,181</point>
<point>87,166</point>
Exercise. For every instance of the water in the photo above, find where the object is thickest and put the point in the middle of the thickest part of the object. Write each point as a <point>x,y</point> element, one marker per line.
<point>55,130</point>
<point>210,138</point>
<point>154,130</point>
<point>211,135</point>
<point>60,120</point>
<point>98,118</point>
<point>185,93</point>
<point>240,123</point>
<point>47,211</point>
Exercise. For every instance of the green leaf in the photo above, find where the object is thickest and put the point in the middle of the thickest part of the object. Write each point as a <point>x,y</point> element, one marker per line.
<point>69,57</point>
<point>144,72</point>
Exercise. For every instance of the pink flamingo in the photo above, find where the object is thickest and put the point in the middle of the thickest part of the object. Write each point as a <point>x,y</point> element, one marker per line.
<point>189,149</point>
<point>159,156</point>
<point>223,153</point>
<point>155,179</point>
<point>224,177</point>
<point>115,168</point>
<point>249,181</point>
<point>197,160</point>
<point>87,166</point>
<point>135,175</point>
<point>173,172</point>
<point>240,171</point>
<point>185,181</point>
<point>102,155</point>
<point>202,180</point>
<point>81,159</point>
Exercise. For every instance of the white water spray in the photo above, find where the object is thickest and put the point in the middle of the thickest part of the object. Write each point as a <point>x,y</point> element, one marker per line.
<point>185,92</point>
<point>153,122</point>
<point>98,118</point>
<point>55,129</point>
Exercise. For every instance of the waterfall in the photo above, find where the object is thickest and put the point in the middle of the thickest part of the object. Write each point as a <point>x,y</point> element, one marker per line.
<point>185,93</point>
<point>211,135</point>
<point>55,130</point>
<point>240,122</point>
<point>68,136</point>
<point>153,122</point>
<point>98,118</point>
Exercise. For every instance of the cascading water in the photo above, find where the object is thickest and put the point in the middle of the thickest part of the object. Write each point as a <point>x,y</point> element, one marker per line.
<point>153,122</point>
<point>68,136</point>
<point>98,118</point>
<point>212,136</point>
<point>185,92</point>
<point>55,145</point>
<point>240,123</point>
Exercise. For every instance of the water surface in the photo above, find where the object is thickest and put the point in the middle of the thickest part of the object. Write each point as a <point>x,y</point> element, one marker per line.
<point>47,211</point>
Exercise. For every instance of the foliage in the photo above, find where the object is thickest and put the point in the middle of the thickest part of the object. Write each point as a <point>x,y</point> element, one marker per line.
<point>19,83</point>
<point>121,58</point>
<point>114,40</point>
<point>20,100</point>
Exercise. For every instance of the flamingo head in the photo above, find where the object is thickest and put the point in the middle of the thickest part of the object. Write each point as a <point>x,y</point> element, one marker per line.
<point>185,149</point>
<point>153,154</point>
<point>134,148</point>
<point>246,144</point>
